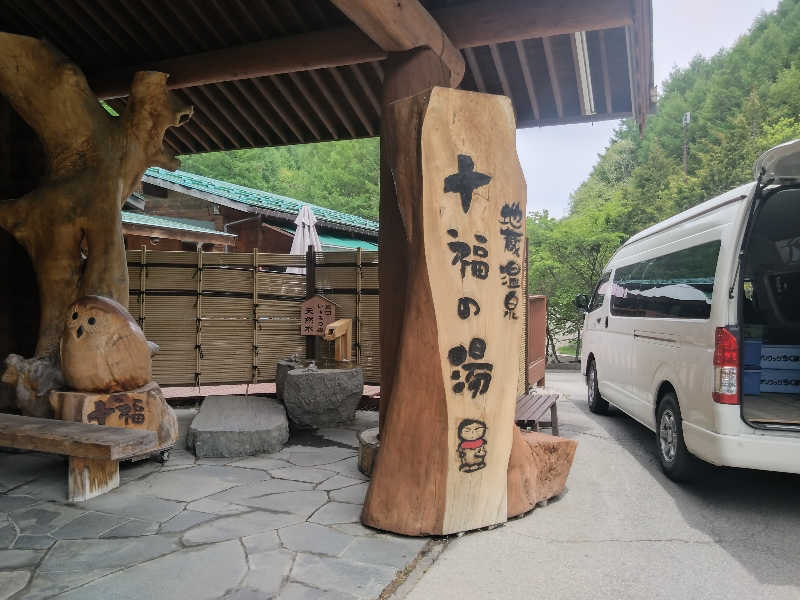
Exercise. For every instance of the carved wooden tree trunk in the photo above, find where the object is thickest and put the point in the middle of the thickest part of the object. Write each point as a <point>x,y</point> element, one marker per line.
<point>70,224</point>
<point>449,426</point>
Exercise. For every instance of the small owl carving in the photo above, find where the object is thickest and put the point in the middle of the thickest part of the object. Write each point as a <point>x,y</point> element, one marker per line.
<point>103,349</point>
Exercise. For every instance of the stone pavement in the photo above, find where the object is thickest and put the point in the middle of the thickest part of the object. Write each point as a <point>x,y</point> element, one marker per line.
<point>283,525</point>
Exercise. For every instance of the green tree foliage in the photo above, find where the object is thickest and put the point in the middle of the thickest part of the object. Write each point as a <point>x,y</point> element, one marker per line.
<point>743,101</point>
<point>342,175</point>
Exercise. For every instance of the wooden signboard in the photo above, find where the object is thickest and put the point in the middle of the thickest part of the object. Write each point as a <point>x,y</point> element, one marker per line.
<point>447,434</point>
<point>316,314</point>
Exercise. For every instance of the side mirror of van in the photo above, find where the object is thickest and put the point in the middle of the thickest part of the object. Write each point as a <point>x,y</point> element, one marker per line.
<point>582,302</point>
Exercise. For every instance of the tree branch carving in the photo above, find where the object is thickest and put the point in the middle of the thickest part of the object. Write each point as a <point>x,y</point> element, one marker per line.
<point>93,163</point>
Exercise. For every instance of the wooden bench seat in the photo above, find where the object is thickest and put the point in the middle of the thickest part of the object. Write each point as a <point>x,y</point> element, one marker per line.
<point>94,451</point>
<point>536,404</point>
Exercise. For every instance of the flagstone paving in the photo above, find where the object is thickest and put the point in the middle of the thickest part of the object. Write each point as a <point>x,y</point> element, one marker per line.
<point>283,525</point>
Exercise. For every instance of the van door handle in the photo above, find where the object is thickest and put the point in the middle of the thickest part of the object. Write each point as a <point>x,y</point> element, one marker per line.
<point>606,322</point>
<point>599,319</point>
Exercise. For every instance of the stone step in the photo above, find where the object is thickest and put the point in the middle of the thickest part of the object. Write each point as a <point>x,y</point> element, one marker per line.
<point>229,426</point>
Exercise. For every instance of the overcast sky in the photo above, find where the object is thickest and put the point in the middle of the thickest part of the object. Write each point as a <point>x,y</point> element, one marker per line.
<point>557,159</point>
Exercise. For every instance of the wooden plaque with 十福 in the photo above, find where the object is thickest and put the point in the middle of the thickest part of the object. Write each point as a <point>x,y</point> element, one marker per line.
<point>448,429</point>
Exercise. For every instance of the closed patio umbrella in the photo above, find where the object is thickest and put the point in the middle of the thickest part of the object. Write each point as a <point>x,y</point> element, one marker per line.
<point>305,235</point>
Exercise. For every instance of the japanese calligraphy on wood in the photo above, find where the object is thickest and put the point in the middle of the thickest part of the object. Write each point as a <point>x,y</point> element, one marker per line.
<point>447,433</point>
<point>316,314</point>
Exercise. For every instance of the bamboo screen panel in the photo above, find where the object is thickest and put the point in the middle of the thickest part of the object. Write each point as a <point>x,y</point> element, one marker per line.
<point>350,279</point>
<point>230,317</point>
<point>217,317</point>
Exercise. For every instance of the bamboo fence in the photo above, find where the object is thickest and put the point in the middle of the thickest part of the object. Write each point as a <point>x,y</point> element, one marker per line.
<point>230,317</point>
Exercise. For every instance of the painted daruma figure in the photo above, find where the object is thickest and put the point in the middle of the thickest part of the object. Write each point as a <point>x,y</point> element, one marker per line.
<point>103,349</point>
<point>472,445</point>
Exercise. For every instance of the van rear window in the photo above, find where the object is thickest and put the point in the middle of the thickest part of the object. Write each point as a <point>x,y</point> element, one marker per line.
<point>679,285</point>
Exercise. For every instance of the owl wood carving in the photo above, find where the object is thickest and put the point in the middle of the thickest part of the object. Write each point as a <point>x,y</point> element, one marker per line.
<point>103,349</point>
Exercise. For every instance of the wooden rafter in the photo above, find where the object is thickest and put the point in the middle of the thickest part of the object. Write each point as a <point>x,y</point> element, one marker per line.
<point>526,75</point>
<point>367,88</point>
<point>246,111</point>
<point>553,74</point>
<point>333,101</point>
<point>254,102</point>
<point>289,96</point>
<point>295,77</point>
<point>582,106</point>
<point>355,104</point>
<point>199,96</point>
<point>475,69</point>
<point>501,72</point>
<point>604,68</point>
<point>276,106</point>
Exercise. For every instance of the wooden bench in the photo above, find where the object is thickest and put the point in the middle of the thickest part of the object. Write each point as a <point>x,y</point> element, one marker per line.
<point>534,405</point>
<point>94,451</point>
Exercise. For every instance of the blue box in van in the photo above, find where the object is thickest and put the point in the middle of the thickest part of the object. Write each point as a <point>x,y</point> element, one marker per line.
<point>780,357</point>
<point>751,382</point>
<point>751,354</point>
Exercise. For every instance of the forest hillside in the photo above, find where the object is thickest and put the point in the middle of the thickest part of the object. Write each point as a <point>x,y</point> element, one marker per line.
<point>742,101</point>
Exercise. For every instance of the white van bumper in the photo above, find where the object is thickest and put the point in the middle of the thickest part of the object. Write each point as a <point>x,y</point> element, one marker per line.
<point>749,451</point>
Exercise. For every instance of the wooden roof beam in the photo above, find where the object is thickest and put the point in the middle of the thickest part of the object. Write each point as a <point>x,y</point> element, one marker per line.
<point>289,54</point>
<point>496,21</point>
<point>475,24</point>
<point>399,25</point>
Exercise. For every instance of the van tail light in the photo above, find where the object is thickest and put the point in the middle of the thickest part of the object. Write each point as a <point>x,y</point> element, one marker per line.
<point>726,367</point>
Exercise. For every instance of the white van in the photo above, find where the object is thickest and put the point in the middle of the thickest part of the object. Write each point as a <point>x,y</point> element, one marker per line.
<point>694,327</point>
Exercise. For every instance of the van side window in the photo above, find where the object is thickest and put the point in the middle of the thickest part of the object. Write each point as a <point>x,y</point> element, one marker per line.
<point>600,293</point>
<point>679,285</point>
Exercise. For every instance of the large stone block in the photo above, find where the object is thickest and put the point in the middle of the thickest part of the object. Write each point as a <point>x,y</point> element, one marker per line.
<point>281,369</point>
<point>229,426</point>
<point>317,398</point>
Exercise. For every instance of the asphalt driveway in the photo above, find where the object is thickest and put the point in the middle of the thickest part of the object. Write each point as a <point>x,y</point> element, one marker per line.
<point>623,530</point>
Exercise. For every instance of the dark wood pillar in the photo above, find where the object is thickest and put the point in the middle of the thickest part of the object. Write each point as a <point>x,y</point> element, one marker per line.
<point>405,74</point>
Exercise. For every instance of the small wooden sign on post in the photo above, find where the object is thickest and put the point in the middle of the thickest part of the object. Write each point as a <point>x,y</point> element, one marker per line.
<point>316,314</point>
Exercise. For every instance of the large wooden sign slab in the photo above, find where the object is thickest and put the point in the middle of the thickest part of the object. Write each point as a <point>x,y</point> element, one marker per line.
<point>448,430</point>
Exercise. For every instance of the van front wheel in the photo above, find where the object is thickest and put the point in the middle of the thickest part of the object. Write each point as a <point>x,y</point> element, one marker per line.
<point>676,461</point>
<point>596,403</point>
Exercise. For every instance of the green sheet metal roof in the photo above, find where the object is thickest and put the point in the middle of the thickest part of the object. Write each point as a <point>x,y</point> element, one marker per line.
<point>169,223</point>
<point>335,242</point>
<point>258,198</point>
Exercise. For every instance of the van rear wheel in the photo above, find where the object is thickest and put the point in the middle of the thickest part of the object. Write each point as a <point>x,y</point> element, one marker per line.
<point>676,461</point>
<point>596,403</point>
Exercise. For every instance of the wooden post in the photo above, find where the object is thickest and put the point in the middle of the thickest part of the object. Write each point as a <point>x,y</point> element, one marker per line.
<point>405,74</point>
<point>448,429</point>
<point>198,347</point>
<point>311,286</point>
<point>255,316</point>
<point>359,276</point>
<point>142,286</point>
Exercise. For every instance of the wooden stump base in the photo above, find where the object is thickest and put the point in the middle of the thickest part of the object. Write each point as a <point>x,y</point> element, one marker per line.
<point>537,469</point>
<point>368,446</point>
<point>142,408</point>
<point>90,477</point>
